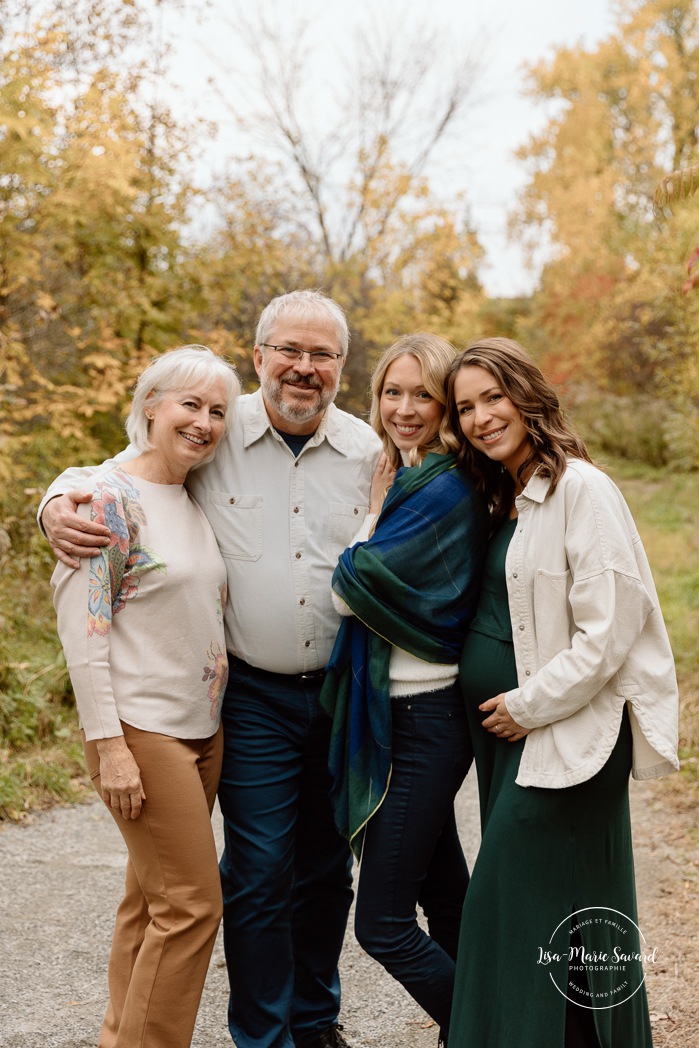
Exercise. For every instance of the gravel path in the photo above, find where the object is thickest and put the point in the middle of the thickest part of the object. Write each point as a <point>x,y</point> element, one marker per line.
<point>61,879</point>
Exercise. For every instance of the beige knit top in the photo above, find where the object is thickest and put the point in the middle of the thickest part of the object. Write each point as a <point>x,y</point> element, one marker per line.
<point>142,624</point>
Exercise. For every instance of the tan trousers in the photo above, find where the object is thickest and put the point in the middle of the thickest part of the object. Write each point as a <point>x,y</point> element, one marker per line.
<point>167,921</point>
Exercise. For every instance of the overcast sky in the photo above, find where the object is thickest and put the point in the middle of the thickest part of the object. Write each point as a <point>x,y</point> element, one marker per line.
<point>481,158</point>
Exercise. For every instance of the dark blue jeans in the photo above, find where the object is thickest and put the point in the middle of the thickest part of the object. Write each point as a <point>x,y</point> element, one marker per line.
<point>412,854</point>
<point>285,870</point>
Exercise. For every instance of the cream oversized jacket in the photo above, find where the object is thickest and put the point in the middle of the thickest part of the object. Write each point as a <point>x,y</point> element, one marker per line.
<point>588,634</point>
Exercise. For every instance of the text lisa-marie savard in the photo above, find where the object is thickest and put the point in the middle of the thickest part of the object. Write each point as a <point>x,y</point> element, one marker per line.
<point>587,957</point>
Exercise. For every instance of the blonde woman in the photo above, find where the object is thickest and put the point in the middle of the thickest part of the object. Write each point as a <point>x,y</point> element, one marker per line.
<point>401,745</point>
<point>141,624</point>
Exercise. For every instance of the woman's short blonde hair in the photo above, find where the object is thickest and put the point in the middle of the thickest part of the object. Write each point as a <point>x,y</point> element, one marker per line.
<point>434,354</point>
<point>177,369</point>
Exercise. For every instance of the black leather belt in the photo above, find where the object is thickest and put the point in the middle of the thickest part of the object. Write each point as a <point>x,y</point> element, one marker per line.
<point>312,675</point>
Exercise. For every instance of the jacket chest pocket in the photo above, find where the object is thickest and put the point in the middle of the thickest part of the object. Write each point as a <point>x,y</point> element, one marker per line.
<point>237,524</point>
<point>552,615</point>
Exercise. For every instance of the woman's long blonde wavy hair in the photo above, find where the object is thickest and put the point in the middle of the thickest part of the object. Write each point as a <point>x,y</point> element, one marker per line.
<point>435,356</point>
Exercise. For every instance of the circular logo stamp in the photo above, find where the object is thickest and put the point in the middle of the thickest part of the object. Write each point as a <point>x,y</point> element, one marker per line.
<point>595,957</point>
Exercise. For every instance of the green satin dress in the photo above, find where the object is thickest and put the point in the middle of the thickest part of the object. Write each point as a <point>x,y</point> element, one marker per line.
<point>544,855</point>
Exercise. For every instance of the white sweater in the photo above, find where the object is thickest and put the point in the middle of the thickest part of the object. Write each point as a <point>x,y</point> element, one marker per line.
<point>142,624</point>
<point>407,675</point>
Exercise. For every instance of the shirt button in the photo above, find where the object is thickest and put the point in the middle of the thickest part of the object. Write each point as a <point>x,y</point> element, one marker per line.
<point>231,501</point>
<point>356,511</point>
<point>515,575</point>
<point>296,465</point>
<point>303,600</point>
<point>527,673</point>
<point>298,557</point>
<point>296,509</point>
<point>307,644</point>
<point>521,627</point>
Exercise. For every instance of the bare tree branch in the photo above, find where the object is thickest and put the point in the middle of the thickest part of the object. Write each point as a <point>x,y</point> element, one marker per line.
<point>402,96</point>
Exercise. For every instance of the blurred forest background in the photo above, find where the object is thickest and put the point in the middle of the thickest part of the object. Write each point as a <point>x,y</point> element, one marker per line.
<point>111,251</point>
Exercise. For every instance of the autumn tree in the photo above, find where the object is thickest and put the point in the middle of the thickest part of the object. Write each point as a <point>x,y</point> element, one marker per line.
<point>376,237</point>
<point>94,198</point>
<point>252,249</point>
<point>609,310</point>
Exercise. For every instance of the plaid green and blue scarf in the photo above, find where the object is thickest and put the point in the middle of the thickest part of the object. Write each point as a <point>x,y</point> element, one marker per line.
<point>413,585</point>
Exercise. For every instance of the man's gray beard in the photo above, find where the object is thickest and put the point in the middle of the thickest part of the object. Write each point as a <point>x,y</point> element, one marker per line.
<point>272,390</point>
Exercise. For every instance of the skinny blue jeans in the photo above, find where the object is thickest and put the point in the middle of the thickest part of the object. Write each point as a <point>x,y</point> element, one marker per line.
<point>285,870</point>
<point>412,854</point>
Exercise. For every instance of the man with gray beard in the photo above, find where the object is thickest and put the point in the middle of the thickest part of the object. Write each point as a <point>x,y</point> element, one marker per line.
<point>285,495</point>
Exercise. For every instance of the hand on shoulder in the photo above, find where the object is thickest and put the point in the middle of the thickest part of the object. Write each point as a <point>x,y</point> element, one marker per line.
<point>71,535</point>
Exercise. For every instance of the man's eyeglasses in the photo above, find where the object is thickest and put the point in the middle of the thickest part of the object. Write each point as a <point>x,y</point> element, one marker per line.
<point>319,358</point>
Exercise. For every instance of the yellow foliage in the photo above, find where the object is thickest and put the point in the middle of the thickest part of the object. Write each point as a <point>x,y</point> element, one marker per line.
<point>610,309</point>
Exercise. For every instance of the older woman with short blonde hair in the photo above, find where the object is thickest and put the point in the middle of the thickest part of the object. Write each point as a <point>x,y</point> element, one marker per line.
<point>141,624</point>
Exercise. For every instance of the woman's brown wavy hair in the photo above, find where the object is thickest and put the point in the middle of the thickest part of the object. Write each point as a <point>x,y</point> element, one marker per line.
<point>553,439</point>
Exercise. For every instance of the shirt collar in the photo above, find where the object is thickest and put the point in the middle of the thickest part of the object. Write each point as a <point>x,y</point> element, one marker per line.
<point>256,423</point>
<point>537,488</point>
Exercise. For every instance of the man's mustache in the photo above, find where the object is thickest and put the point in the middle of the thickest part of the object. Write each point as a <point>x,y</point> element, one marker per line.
<point>310,381</point>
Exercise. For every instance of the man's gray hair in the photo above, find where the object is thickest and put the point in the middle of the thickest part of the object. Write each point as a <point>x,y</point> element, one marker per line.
<point>306,305</point>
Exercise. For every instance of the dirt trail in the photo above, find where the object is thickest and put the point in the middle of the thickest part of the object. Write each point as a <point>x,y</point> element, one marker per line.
<point>61,878</point>
<point>666,850</point>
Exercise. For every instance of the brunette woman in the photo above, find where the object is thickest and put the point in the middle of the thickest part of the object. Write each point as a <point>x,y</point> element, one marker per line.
<point>569,685</point>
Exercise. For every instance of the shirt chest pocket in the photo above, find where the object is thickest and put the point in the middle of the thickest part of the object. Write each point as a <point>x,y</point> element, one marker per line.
<point>237,524</point>
<point>344,521</point>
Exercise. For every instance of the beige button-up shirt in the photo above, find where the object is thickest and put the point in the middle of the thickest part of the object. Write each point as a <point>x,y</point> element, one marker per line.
<point>281,523</point>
